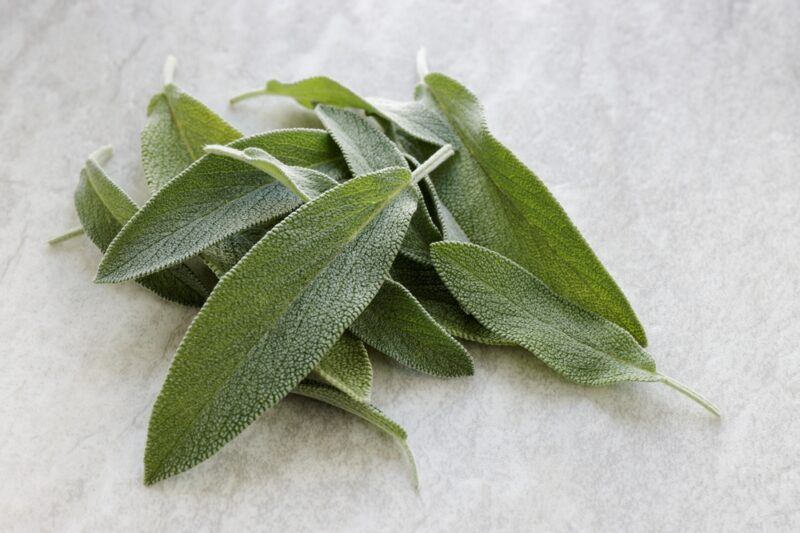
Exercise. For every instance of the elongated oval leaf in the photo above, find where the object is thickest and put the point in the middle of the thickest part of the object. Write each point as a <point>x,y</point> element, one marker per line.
<point>502,205</point>
<point>103,209</point>
<point>394,323</point>
<point>578,344</point>
<point>347,367</point>
<point>411,117</point>
<point>177,128</point>
<point>401,328</point>
<point>363,410</point>
<point>271,319</point>
<point>212,199</point>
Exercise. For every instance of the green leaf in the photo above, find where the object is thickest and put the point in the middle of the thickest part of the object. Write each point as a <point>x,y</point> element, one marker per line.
<point>501,204</point>
<point>271,319</point>
<point>103,208</point>
<point>424,283</point>
<point>212,199</point>
<point>411,117</point>
<point>363,410</point>
<point>177,128</point>
<point>399,326</point>
<point>394,323</point>
<point>366,150</point>
<point>347,367</point>
<point>510,301</point>
<point>305,183</point>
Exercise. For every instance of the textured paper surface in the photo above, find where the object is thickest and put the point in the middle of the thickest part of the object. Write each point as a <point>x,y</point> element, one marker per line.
<point>669,130</point>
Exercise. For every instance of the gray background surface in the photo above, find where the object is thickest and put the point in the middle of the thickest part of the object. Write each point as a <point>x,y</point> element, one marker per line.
<point>670,131</point>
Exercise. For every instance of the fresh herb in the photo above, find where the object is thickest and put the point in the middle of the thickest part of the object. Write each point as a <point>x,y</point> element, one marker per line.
<point>399,227</point>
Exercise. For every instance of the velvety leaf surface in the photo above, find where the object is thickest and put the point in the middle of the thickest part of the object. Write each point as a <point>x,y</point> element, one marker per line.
<point>513,303</point>
<point>177,128</point>
<point>103,208</point>
<point>347,367</point>
<point>212,199</point>
<point>366,149</point>
<point>501,204</point>
<point>273,317</point>
<point>400,327</point>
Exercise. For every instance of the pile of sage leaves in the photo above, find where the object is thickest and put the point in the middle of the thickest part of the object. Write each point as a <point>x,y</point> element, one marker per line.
<point>405,227</point>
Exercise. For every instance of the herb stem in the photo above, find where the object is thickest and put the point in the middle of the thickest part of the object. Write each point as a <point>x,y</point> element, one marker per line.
<point>169,69</point>
<point>440,156</point>
<point>686,391</point>
<point>422,64</point>
<point>245,96</point>
<point>74,232</point>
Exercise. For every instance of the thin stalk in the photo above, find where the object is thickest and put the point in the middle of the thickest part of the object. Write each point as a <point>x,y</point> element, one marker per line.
<point>422,64</point>
<point>74,232</point>
<point>245,96</point>
<point>440,156</point>
<point>686,391</point>
<point>169,69</point>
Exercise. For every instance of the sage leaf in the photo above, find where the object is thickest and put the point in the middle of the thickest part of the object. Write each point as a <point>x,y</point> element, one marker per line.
<point>400,327</point>
<point>103,208</point>
<point>394,322</point>
<point>578,344</point>
<point>212,199</point>
<point>347,367</point>
<point>363,410</point>
<point>366,150</point>
<point>271,319</point>
<point>177,128</point>
<point>501,204</point>
<point>412,118</point>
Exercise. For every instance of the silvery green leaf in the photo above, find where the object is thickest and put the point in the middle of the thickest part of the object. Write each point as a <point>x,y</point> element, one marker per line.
<point>411,117</point>
<point>177,128</point>
<point>424,283</point>
<point>501,204</point>
<point>212,199</point>
<point>513,303</point>
<point>400,327</point>
<point>347,367</point>
<point>394,323</point>
<point>103,209</point>
<point>366,149</point>
<point>271,319</point>
<point>363,410</point>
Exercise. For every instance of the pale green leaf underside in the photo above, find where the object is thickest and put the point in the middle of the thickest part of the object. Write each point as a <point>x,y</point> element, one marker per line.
<point>513,303</point>
<point>271,319</point>
<point>347,367</point>
<point>177,128</point>
<point>400,327</point>
<point>103,209</point>
<point>363,410</point>
<point>501,204</point>
<point>212,199</point>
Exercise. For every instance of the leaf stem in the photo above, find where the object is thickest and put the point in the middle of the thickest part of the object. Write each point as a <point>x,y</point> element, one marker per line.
<point>422,64</point>
<point>74,232</point>
<point>440,156</point>
<point>169,69</point>
<point>686,391</point>
<point>245,96</point>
